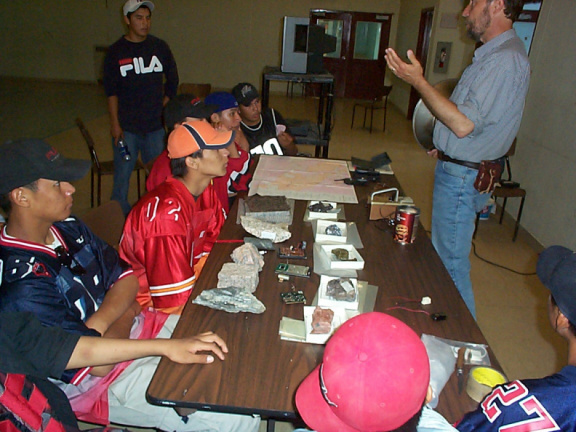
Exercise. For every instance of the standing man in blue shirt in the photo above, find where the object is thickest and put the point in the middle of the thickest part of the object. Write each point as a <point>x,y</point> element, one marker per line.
<point>479,122</point>
<point>140,76</point>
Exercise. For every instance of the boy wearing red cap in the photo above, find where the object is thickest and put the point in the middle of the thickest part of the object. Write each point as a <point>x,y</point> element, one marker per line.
<point>174,226</point>
<point>374,377</point>
<point>373,374</point>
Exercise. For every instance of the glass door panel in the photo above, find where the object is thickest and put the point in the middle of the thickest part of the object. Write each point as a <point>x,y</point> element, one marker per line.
<point>358,64</point>
<point>367,43</point>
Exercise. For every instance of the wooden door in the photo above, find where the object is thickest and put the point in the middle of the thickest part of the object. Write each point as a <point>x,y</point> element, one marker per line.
<point>424,32</point>
<point>358,64</point>
<point>337,24</point>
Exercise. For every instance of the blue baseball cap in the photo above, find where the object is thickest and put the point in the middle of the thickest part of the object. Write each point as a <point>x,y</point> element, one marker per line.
<point>222,100</point>
<point>556,269</point>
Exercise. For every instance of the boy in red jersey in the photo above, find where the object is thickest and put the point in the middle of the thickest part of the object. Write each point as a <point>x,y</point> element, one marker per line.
<point>175,225</point>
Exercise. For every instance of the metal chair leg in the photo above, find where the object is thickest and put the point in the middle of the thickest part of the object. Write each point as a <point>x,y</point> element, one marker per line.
<point>92,187</point>
<point>385,112</point>
<point>99,189</point>
<point>503,208</point>
<point>518,218</point>
<point>476,225</point>
<point>270,425</point>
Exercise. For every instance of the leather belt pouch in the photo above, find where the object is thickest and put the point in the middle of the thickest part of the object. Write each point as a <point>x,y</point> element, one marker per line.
<point>488,176</point>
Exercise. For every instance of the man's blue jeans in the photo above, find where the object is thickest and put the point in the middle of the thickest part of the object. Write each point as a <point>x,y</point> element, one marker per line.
<point>454,209</point>
<point>149,146</point>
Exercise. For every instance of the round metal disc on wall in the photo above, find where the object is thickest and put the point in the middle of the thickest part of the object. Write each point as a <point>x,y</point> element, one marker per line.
<point>423,120</point>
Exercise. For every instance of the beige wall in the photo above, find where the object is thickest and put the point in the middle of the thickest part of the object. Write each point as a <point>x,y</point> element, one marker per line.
<point>221,42</point>
<point>545,161</point>
<point>225,41</point>
<point>407,38</point>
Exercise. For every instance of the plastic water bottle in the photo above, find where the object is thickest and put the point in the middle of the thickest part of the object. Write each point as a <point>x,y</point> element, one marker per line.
<point>124,152</point>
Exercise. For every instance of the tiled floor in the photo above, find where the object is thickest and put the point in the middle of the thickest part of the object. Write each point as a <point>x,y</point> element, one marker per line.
<point>511,307</point>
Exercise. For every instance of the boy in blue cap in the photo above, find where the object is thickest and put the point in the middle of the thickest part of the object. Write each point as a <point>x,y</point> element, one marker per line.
<point>226,117</point>
<point>544,404</point>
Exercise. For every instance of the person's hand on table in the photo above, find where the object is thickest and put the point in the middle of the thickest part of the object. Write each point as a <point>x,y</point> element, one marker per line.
<point>287,142</point>
<point>186,351</point>
<point>285,139</point>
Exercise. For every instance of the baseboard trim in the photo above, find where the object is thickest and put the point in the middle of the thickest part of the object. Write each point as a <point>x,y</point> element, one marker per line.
<point>50,80</point>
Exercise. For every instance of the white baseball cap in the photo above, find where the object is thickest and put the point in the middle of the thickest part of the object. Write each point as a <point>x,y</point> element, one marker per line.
<point>133,5</point>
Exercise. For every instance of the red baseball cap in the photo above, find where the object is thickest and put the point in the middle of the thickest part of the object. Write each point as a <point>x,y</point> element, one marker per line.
<point>196,135</point>
<point>374,376</point>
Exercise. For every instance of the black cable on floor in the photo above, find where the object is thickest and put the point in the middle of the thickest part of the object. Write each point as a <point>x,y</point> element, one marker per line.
<point>499,265</point>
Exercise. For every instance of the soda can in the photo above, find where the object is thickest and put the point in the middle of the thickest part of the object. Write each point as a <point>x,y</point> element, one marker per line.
<point>124,152</point>
<point>406,224</point>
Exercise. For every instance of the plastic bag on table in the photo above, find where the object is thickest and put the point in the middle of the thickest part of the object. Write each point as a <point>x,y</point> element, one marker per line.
<point>443,353</point>
<point>442,364</point>
<point>475,354</point>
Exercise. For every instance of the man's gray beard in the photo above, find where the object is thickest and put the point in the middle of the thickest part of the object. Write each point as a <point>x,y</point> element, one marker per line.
<point>473,35</point>
<point>476,35</point>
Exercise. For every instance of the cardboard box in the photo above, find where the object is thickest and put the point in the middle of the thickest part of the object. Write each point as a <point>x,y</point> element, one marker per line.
<point>358,264</point>
<point>326,301</point>
<point>340,316</point>
<point>331,214</point>
<point>322,237</point>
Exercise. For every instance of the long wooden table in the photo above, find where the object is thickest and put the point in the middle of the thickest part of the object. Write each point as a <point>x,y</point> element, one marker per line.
<point>262,372</point>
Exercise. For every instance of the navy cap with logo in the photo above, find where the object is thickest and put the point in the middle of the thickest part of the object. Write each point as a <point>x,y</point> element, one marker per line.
<point>186,105</point>
<point>556,269</point>
<point>245,93</point>
<point>24,161</point>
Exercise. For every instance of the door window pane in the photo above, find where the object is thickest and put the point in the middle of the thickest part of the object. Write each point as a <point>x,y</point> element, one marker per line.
<point>333,28</point>
<point>367,43</point>
<point>526,23</point>
<point>525,31</point>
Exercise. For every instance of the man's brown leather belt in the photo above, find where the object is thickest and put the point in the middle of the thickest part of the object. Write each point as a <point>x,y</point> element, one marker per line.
<point>444,157</point>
